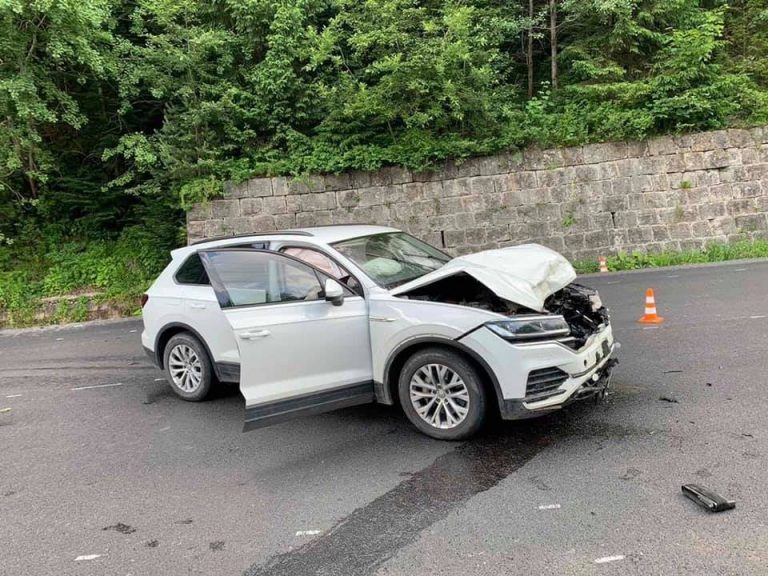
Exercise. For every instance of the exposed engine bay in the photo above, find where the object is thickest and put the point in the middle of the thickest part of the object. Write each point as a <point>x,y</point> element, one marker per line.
<point>582,309</point>
<point>579,305</point>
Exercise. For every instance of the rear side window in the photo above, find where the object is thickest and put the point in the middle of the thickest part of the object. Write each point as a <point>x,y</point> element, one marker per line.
<point>192,271</point>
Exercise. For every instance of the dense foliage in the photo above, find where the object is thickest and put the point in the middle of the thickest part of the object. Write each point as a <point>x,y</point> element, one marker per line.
<point>115,114</point>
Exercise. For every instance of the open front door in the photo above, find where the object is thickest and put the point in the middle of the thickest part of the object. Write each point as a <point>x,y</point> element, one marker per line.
<point>300,352</point>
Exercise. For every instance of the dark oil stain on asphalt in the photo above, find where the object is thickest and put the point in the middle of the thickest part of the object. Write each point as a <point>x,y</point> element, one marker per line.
<point>377,531</point>
<point>359,544</point>
<point>217,546</point>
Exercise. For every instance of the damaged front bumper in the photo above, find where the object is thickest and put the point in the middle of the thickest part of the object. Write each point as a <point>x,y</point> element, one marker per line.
<point>569,374</point>
<point>594,386</point>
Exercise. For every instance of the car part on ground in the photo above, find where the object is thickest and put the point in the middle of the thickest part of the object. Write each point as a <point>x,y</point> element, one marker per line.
<point>706,498</point>
<point>188,367</point>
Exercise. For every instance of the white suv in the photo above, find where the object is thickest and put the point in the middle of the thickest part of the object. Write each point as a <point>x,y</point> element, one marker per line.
<point>316,319</point>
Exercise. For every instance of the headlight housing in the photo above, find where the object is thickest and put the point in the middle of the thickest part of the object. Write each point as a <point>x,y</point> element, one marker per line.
<point>520,328</point>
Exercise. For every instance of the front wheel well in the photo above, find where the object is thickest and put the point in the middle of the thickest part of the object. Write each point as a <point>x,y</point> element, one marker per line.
<point>395,366</point>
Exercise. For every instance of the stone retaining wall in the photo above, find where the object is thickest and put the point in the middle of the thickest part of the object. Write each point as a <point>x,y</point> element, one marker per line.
<point>669,193</point>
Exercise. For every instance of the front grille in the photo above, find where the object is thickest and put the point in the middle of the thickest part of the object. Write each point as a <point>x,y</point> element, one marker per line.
<point>544,382</point>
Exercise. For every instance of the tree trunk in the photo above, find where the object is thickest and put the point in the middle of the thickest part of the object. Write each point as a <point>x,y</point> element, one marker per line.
<point>529,52</point>
<point>553,40</point>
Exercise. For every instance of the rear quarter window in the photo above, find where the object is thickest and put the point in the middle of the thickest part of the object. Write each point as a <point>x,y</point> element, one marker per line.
<point>192,271</point>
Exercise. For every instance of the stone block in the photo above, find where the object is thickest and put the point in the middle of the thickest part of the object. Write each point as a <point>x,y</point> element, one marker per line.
<point>747,189</point>
<point>280,186</point>
<point>239,190</point>
<point>647,217</point>
<point>349,198</point>
<point>739,138</point>
<point>215,228</point>
<point>449,206</point>
<point>433,190</point>
<point>586,173</point>
<point>660,233</point>
<point>318,218</point>
<point>273,205</point>
<point>318,201</point>
<point>251,206</point>
<point>456,187</point>
<point>680,231</point>
<point>749,156</point>
<point>720,159</point>
<point>641,183</point>
<point>454,238</point>
<point>476,236</point>
<point>482,185</point>
<point>200,211</point>
<point>640,235</point>
<point>413,191</point>
<point>694,161</point>
<point>604,152</point>
<point>337,182</point>
<point>285,221</point>
<point>225,209</point>
<point>654,200</point>
<point>195,230</point>
<point>661,146</point>
<point>751,222</point>
<point>626,219</point>
<point>259,187</point>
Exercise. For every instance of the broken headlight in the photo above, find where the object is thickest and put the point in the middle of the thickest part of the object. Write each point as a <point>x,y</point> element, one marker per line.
<point>531,327</point>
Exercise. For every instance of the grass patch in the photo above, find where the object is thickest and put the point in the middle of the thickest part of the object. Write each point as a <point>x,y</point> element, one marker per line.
<point>114,271</point>
<point>713,253</point>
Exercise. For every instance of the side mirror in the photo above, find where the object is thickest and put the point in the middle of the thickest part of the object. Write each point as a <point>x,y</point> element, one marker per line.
<point>334,293</point>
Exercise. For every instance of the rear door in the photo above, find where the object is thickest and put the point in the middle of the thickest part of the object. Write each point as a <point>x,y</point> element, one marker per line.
<point>299,354</point>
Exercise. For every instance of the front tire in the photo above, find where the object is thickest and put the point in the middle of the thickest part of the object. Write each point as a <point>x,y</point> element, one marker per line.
<point>188,367</point>
<point>442,394</point>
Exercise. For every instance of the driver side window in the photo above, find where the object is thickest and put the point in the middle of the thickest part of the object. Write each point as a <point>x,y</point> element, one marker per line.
<point>326,264</point>
<point>252,278</point>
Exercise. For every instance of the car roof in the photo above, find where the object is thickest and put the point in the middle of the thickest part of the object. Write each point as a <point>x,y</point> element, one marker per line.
<point>339,232</point>
<point>321,234</point>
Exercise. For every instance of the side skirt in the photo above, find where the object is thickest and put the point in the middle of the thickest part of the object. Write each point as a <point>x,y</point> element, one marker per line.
<point>282,410</point>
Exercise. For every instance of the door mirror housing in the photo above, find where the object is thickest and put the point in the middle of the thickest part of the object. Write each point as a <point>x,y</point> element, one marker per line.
<point>334,293</point>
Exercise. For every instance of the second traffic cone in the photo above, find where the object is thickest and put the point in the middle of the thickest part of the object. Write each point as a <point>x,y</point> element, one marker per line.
<point>603,264</point>
<point>650,316</point>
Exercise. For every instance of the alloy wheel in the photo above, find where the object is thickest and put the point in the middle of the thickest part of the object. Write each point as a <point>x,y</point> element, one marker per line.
<point>185,368</point>
<point>439,396</point>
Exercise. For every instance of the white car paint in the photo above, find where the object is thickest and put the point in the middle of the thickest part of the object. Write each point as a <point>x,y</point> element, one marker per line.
<point>526,275</point>
<point>289,350</point>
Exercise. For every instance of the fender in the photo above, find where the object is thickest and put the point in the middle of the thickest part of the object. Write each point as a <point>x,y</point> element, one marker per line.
<point>383,390</point>
<point>224,371</point>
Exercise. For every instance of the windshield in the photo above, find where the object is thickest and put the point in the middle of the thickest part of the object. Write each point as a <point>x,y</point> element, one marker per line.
<point>392,258</point>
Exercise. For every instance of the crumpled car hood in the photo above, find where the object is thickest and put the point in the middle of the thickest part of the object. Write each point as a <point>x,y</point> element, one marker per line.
<point>526,275</point>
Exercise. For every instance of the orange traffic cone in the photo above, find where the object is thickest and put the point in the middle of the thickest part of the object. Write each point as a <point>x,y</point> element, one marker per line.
<point>603,264</point>
<point>650,316</point>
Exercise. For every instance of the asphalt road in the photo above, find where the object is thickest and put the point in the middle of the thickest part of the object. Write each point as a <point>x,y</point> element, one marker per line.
<point>98,457</point>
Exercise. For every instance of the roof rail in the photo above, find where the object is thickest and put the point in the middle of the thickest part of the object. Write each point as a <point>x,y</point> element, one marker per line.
<point>251,234</point>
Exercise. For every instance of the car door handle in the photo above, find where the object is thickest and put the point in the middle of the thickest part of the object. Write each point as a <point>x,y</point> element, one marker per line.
<point>198,306</point>
<point>255,334</point>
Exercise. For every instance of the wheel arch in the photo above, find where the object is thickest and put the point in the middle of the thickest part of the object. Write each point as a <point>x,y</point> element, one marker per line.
<point>386,393</point>
<point>168,332</point>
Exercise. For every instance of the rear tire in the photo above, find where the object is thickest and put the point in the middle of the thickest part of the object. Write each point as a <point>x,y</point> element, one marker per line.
<point>442,394</point>
<point>188,367</point>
